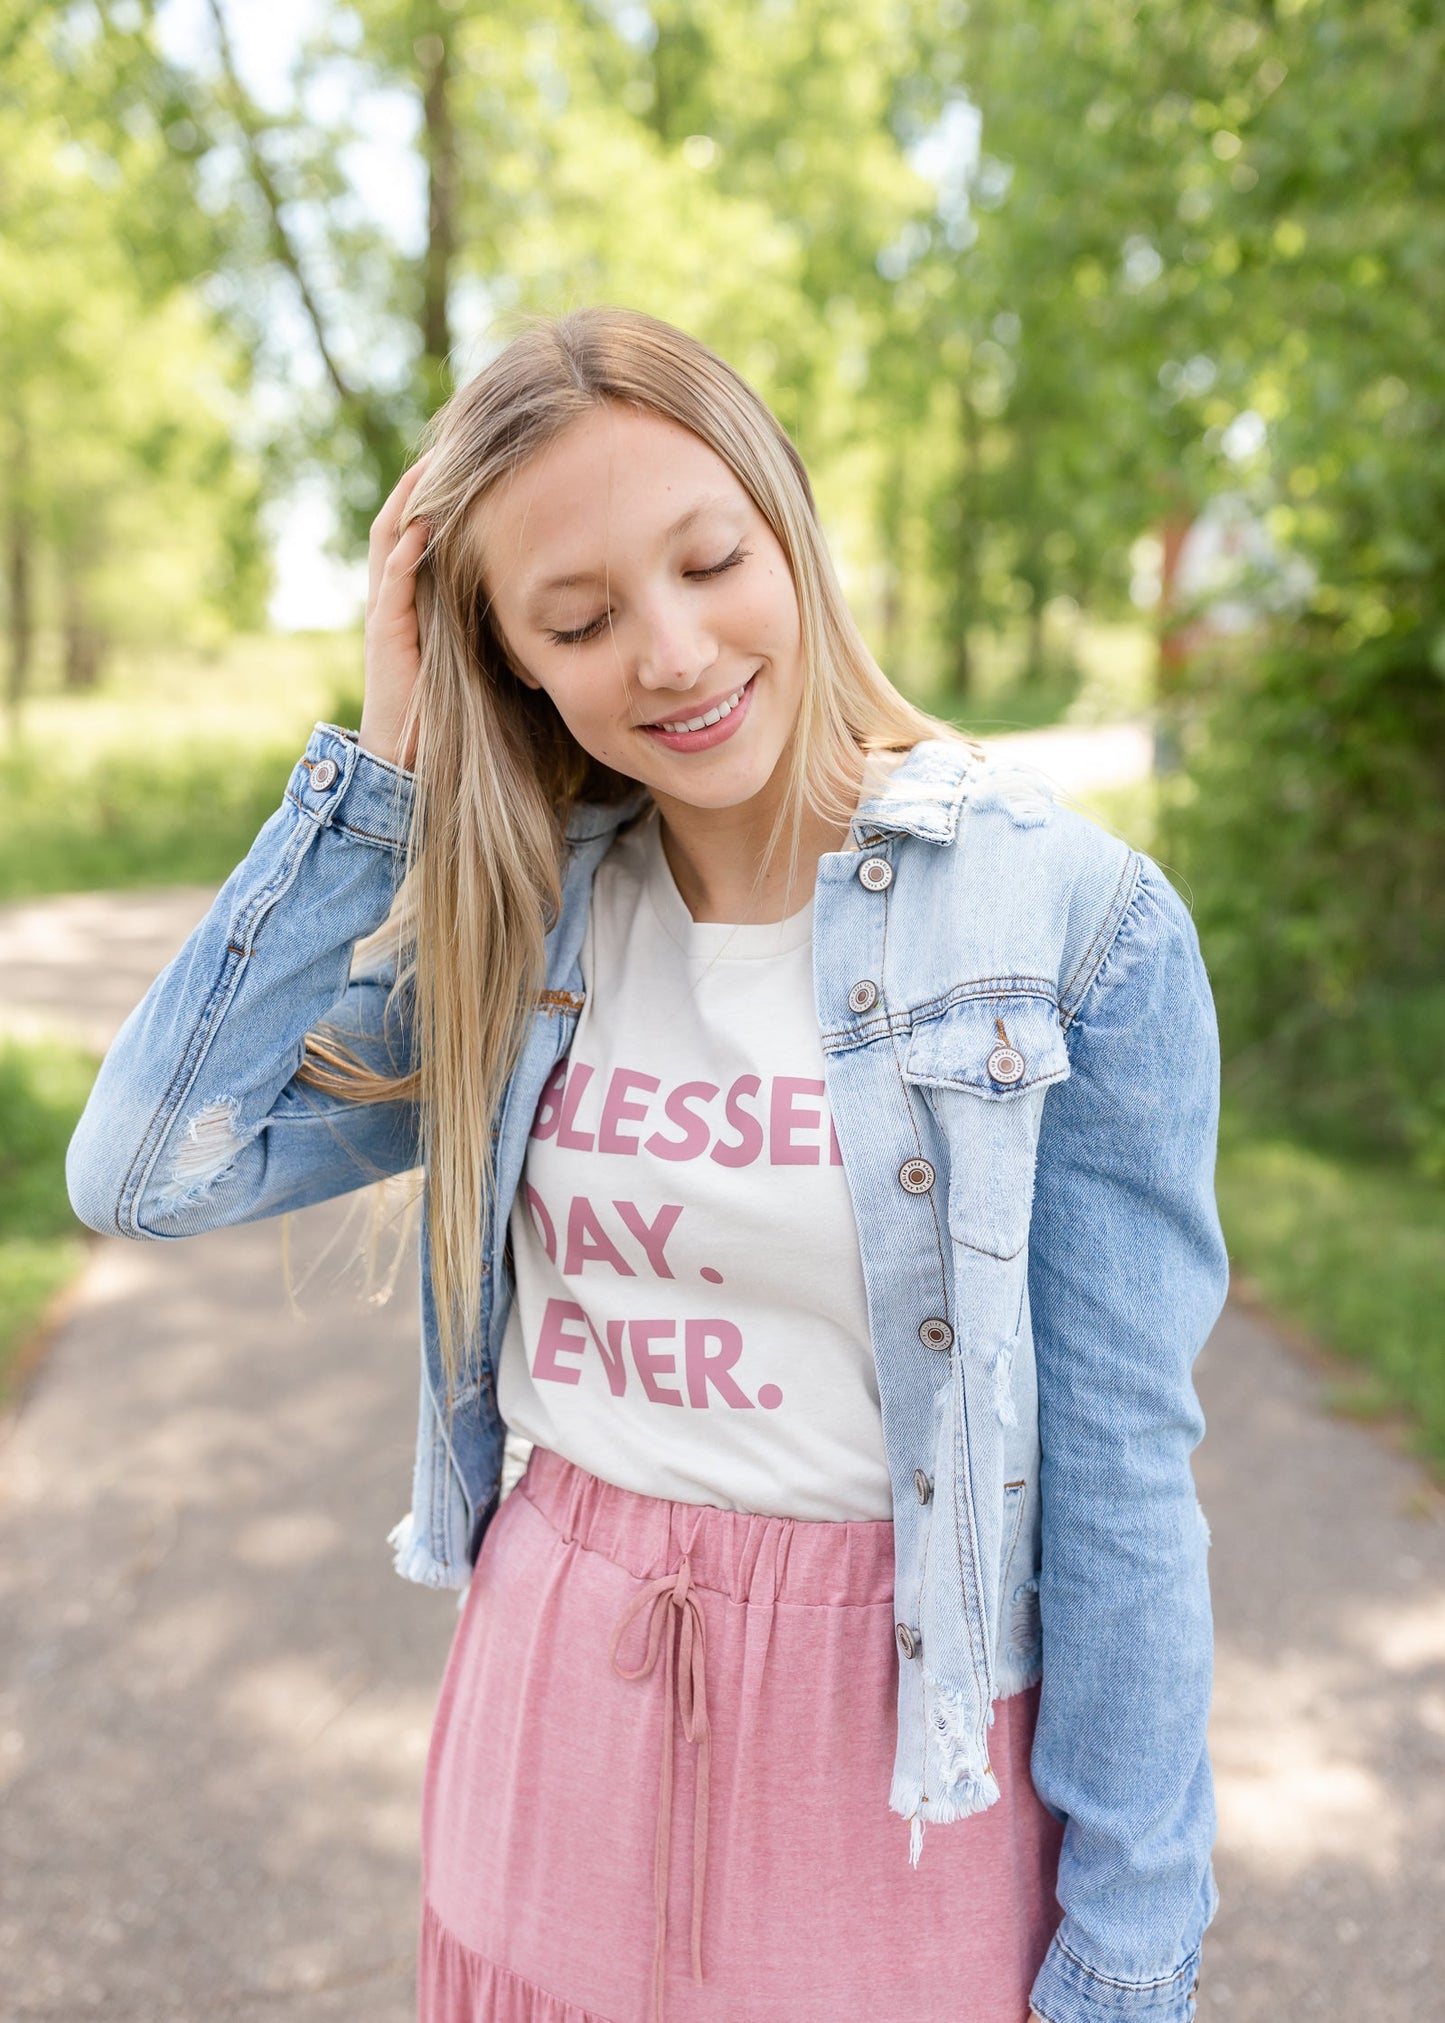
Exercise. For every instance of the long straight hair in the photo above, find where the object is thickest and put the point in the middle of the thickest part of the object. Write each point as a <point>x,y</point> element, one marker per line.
<point>497,772</point>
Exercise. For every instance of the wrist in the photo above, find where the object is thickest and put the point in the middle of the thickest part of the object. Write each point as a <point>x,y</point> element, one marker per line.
<point>381,741</point>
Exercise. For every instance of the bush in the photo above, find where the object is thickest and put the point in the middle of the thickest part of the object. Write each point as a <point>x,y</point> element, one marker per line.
<point>1309,833</point>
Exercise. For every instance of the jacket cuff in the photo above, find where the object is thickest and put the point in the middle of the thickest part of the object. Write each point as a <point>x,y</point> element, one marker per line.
<point>337,785</point>
<point>1066,1991</point>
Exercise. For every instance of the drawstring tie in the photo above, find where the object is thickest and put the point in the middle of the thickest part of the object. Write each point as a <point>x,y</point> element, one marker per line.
<point>668,1593</point>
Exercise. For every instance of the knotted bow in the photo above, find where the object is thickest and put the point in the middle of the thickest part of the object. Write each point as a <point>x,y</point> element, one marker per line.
<point>674,1593</point>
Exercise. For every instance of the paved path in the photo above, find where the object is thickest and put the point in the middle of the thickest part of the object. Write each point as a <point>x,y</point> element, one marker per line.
<point>1328,1728</point>
<point>215,1695</point>
<point>75,965</point>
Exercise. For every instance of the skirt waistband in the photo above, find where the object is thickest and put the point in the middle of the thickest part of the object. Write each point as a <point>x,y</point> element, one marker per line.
<point>744,1556</point>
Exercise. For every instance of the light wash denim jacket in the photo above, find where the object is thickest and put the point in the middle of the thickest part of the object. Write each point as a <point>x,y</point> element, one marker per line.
<point>1022,1068</point>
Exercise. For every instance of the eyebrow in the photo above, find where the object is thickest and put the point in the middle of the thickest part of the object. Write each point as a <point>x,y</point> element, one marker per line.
<point>679,526</point>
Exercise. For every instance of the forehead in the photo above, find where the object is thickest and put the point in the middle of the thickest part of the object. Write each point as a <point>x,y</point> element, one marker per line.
<point>616,477</point>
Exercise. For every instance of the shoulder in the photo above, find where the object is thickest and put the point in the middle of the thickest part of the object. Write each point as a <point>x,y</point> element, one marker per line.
<point>1036,887</point>
<point>1120,930</point>
<point>1032,901</point>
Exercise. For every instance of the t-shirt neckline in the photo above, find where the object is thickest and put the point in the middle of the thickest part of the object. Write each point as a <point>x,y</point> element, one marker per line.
<point>713,940</point>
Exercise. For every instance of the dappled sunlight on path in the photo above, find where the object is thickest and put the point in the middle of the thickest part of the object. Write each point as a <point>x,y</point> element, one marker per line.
<point>72,967</point>
<point>1328,1731</point>
<point>214,1717</point>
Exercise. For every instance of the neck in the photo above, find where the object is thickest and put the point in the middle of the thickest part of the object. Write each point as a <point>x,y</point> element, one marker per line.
<point>714,853</point>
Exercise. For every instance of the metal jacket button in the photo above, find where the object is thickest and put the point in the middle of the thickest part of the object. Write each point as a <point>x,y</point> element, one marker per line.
<point>915,1176</point>
<point>1006,1065</point>
<point>863,996</point>
<point>922,1485</point>
<point>936,1334</point>
<point>909,1641</point>
<point>323,774</point>
<point>876,873</point>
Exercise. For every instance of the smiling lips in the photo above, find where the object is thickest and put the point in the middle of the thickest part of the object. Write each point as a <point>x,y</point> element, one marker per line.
<point>711,727</point>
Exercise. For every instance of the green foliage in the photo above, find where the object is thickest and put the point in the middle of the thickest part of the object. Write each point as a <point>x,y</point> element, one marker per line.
<point>1311,834</point>
<point>166,774</point>
<point>128,502</point>
<point>1315,829</point>
<point>186,816</point>
<point>1182,218</point>
<point>1356,1253</point>
<point>42,1092</point>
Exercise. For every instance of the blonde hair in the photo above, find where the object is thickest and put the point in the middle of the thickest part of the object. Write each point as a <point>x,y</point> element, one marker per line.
<point>497,772</point>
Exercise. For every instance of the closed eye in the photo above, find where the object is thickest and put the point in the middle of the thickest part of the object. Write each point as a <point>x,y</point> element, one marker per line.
<point>739,554</point>
<point>594,626</point>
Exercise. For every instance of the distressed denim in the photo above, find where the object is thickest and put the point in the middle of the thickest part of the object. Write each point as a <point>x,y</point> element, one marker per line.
<point>1013,1007</point>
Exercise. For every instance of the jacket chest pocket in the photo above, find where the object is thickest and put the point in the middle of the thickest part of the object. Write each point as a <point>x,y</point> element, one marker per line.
<point>987,1064</point>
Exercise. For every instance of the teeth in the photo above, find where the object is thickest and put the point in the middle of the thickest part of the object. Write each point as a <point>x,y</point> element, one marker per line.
<point>698,723</point>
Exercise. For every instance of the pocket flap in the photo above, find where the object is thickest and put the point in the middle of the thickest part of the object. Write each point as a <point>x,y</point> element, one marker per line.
<point>1000,1047</point>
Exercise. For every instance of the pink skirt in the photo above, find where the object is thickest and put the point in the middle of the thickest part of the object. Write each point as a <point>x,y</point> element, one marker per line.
<point>657,1789</point>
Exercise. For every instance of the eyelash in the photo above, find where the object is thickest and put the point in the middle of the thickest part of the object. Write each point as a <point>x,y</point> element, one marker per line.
<point>586,632</point>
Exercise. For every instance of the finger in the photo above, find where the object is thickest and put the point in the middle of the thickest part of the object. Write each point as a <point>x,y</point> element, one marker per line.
<point>405,485</point>
<point>398,576</point>
<point>384,526</point>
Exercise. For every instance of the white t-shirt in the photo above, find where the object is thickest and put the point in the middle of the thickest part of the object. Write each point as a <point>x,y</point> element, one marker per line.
<point>690,1319</point>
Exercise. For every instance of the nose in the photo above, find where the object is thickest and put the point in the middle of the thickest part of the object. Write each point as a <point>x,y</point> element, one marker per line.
<point>672,648</point>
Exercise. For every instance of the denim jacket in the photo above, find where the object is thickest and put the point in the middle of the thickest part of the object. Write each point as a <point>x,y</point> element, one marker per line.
<point>1022,1068</point>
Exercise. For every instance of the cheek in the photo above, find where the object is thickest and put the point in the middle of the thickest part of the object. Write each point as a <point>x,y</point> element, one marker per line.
<point>771,612</point>
<point>589,701</point>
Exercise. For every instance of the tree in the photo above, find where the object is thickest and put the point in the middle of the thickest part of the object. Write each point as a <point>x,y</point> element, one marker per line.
<point>1201,251</point>
<point>110,479</point>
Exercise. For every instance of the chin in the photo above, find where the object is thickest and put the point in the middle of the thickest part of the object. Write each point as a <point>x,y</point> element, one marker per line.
<point>731,783</point>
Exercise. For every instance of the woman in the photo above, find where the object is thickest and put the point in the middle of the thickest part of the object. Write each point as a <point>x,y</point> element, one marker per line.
<point>818,1128</point>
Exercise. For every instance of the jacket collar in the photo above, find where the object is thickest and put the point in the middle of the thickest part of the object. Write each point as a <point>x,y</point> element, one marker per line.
<point>922,796</point>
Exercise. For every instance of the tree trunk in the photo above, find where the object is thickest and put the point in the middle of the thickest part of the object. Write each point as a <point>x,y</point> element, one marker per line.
<point>361,407</point>
<point>434,54</point>
<point>962,663</point>
<point>890,528</point>
<point>1034,667</point>
<point>968,554</point>
<point>20,560</point>
<point>83,641</point>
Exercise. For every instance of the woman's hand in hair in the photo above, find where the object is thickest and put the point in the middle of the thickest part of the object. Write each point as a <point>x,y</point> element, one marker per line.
<point>393,651</point>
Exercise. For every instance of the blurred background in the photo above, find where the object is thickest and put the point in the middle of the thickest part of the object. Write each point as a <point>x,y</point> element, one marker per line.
<point>1109,330</point>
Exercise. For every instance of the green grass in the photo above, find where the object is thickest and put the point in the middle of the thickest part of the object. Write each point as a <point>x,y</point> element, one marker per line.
<point>43,1086</point>
<point>1356,1255</point>
<point>184,817</point>
<point>165,775</point>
